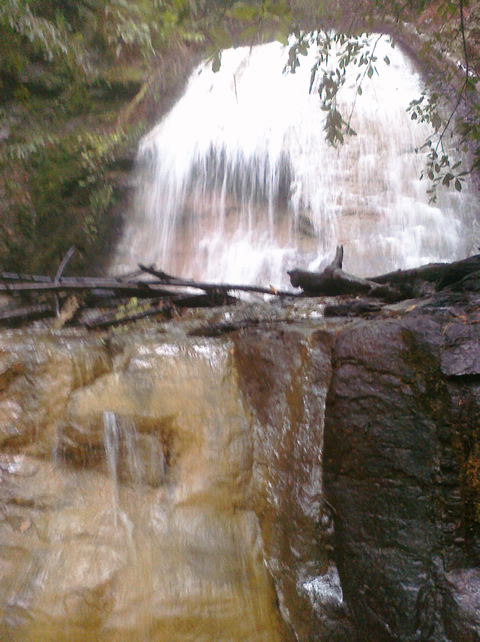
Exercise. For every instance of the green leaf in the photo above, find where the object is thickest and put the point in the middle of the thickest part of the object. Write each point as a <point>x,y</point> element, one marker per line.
<point>458,185</point>
<point>251,32</point>
<point>436,122</point>
<point>370,71</point>
<point>359,90</point>
<point>221,38</point>
<point>447,180</point>
<point>386,60</point>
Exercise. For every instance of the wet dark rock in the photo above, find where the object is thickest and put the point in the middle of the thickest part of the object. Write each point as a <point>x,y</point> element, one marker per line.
<point>461,354</point>
<point>402,446</point>
<point>351,308</point>
<point>283,374</point>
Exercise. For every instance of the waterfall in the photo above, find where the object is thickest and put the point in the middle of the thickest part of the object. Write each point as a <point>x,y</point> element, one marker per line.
<point>237,182</point>
<point>114,433</point>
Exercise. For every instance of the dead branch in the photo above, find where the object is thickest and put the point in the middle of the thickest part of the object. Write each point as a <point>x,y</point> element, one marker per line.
<point>26,313</point>
<point>63,264</point>
<point>167,279</point>
<point>101,302</point>
<point>59,273</point>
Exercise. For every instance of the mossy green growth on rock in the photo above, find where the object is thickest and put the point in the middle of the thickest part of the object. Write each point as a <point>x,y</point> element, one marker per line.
<point>65,162</point>
<point>67,196</point>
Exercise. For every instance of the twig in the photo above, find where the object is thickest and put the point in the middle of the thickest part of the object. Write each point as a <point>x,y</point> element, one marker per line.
<point>63,264</point>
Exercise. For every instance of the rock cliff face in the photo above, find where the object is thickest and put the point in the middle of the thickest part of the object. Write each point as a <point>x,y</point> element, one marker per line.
<point>292,477</point>
<point>402,472</point>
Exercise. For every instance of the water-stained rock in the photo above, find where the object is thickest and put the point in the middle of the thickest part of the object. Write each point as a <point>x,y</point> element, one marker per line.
<point>284,375</point>
<point>395,458</point>
<point>171,485</point>
<point>37,375</point>
<point>139,522</point>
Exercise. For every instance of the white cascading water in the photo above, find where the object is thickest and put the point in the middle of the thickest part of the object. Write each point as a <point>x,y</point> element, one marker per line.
<point>237,183</point>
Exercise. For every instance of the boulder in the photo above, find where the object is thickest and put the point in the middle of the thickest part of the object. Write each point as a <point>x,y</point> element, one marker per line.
<point>402,462</point>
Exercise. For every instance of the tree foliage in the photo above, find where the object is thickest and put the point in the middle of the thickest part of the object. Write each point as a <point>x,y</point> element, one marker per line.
<point>447,33</point>
<point>57,56</point>
<point>64,77</point>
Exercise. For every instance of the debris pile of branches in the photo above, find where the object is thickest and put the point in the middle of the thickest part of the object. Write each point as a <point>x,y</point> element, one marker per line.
<point>101,302</point>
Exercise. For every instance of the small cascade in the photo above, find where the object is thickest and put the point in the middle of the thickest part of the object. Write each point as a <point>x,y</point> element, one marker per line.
<point>237,182</point>
<point>111,443</point>
<point>129,456</point>
<point>115,438</point>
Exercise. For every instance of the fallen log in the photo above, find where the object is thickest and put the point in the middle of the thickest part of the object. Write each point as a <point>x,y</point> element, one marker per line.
<point>426,279</point>
<point>102,301</point>
<point>394,286</point>
<point>330,282</point>
<point>111,293</point>
<point>333,281</point>
<point>167,279</point>
<point>132,288</point>
<point>12,283</point>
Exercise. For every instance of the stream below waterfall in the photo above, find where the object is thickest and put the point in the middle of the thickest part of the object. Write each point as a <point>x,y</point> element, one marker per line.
<point>237,184</point>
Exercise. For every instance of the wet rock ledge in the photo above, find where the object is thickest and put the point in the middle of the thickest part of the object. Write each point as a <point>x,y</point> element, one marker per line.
<point>309,469</point>
<point>402,471</point>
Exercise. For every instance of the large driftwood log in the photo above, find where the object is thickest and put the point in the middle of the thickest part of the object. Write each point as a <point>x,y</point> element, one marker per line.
<point>333,281</point>
<point>427,279</point>
<point>394,286</point>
